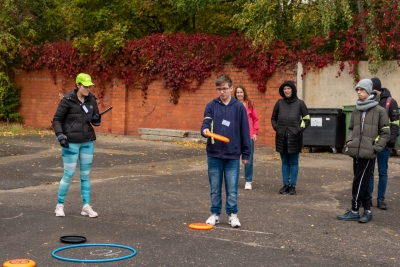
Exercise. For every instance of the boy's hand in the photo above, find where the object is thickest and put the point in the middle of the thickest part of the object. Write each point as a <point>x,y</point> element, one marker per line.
<point>244,161</point>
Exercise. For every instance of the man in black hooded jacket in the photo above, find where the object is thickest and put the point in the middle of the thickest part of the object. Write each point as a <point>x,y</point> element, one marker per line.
<point>388,103</point>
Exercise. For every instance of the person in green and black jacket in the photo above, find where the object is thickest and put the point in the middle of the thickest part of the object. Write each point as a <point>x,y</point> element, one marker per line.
<point>392,110</point>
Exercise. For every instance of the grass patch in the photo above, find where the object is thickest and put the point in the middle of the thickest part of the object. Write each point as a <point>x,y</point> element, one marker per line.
<point>191,144</point>
<point>11,129</point>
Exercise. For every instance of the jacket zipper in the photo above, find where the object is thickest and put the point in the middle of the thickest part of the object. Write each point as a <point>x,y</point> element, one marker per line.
<point>361,134</point>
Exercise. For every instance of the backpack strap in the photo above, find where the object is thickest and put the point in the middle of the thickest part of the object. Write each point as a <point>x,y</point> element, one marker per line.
<point>387,105</point>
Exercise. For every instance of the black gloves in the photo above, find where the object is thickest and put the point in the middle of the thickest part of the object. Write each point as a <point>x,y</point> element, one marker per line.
<point>63,140</point>
<point>96,117</point>
<point>96,120</point>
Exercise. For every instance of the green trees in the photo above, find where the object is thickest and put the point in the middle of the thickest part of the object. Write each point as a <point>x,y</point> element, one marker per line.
<point>269,20</point>
<point>105,25</point>
<point>14,23</point>
<point>354,30</point>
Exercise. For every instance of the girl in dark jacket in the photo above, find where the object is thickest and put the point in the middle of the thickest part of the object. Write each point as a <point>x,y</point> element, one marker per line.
<point>72,123</point>
<point>289,119</point>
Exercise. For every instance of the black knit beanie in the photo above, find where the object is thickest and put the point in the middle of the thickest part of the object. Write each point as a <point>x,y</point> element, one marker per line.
<point>376,84</point>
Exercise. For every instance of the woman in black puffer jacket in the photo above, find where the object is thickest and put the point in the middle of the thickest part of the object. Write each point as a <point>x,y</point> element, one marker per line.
<point>73,121</point>
<point>289,119</point>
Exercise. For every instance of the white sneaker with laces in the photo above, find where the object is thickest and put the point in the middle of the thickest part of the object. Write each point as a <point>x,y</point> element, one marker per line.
<point>234,221</point>
<point>88,211</point>
<point>213,219</point>
<point>247,186</point>
<point>60,210</point>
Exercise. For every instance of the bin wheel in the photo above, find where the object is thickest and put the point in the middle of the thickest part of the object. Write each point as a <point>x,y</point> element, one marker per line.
<point>334,150</point>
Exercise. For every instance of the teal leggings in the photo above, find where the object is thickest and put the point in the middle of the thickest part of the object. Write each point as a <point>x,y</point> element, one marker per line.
<point>83,152</point>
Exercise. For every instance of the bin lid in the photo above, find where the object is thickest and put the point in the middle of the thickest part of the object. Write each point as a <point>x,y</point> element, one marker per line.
<point>349,108</point>
<point>325,111</point>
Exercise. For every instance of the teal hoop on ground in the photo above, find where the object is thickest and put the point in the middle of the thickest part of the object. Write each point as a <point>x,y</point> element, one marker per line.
<point>94,260</point>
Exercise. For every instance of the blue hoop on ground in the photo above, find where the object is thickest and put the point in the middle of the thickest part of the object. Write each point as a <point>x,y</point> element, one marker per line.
<point>94,245</point>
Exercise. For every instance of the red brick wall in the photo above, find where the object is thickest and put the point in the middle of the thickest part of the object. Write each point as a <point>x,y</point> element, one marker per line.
<point>40,97</point>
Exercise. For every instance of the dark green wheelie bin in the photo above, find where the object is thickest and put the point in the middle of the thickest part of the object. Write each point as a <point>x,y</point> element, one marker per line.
<point>347,110</point>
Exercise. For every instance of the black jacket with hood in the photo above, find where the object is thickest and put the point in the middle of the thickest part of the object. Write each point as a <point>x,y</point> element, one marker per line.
<point>393,111</point>
<point>73,121</point>
<point>289,119</point>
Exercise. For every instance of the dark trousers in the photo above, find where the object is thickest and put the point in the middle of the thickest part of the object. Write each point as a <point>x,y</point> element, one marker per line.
<point>362,169</point>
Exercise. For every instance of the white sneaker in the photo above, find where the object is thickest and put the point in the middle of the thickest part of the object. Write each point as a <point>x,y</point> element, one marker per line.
<point>247,186</point>
<point>60,210</point>
<point>88,211</point>
<point>213,219</point>
<point>234,221</point>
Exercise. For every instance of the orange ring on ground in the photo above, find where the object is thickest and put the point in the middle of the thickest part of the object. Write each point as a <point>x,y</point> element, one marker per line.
<point>218,137</point>
<point>201,226</point>
<point>19,263</point>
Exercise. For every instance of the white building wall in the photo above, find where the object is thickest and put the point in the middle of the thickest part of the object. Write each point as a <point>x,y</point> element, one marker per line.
<point>323,88</point>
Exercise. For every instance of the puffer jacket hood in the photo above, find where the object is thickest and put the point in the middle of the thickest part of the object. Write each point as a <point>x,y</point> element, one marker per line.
<point>291,84</point>
<point>385,93</point>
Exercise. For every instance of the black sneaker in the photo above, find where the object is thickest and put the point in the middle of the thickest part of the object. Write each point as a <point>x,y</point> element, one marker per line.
<point>284,189</point>
<point>349,216</point>
<point>382,205</point>
<point>366,217</point>
<point>292,190</point>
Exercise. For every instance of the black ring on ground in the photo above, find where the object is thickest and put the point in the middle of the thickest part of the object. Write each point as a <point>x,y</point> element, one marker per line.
<point>73,239</point>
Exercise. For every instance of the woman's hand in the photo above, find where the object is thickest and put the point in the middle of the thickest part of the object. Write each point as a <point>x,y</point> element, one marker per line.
<point>254,138</point>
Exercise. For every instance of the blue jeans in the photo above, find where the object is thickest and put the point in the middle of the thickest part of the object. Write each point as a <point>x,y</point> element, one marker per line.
<point>382,159</point>
<point>248,167</point>
<point>290,166</point>
<point>228,170</point>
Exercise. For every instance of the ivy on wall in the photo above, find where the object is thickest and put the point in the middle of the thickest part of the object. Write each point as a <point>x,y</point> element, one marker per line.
<point>182,61</point>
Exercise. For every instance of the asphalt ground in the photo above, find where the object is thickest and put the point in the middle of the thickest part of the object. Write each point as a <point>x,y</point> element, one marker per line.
<point>147,193</point>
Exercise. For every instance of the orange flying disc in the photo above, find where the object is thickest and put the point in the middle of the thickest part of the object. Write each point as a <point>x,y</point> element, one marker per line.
<point>200,226</point>
<point>19,263</point>
<point>218,137</point>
